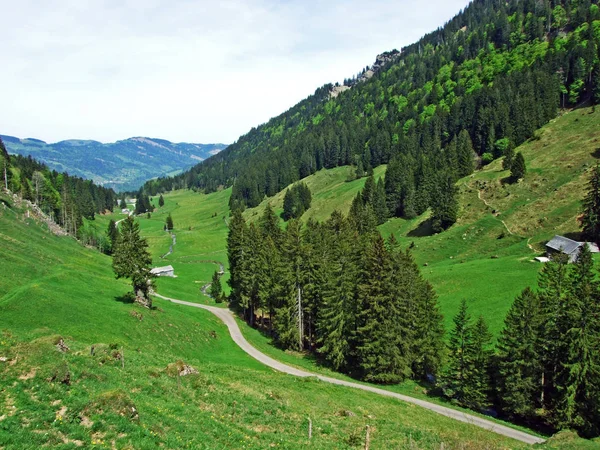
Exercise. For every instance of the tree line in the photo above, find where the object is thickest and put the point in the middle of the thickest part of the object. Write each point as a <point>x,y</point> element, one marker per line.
<point>66,199</point>
<point>337,289</point>
<point>545,370</point>
<point>458,98</point>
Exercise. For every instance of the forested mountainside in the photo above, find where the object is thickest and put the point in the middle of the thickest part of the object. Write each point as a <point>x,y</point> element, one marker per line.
<point>122,165</point>
<point>65,199</point>
<point>460,96</point>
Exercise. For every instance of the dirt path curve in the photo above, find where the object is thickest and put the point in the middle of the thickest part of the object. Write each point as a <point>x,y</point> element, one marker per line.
<point>236,334</point>
<point>490,206</point>
<point>204,288</point>
<point>173,242</point>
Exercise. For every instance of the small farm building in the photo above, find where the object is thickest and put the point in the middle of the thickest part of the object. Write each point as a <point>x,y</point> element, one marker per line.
<point>568,247</point>
<point>166,271</point>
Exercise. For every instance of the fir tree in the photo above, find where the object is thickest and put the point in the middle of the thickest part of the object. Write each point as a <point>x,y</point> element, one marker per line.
<point>216,290</point>
<point>335,320</point>
<point>459,376</point>
<point>480,381</point>
<point>519,366</point>
<point>113,235</point>
<point>578,376</point>
<point>553,285</point>
<point>444,209</point>
<point>169,223</point>
<point>379,334</point>
<point>379,203</point>
<point>236,253</point>
<point>161,201</point>
<point>517,167</point>
<point>590,219</point>
<point>131,259</point>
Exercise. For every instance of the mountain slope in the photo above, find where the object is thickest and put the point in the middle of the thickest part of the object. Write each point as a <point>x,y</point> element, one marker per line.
<point>117,385</point>
<point>498,70</point>
<point>122,165</point>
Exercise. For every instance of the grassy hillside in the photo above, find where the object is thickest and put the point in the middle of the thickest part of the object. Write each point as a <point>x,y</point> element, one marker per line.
<point>53,288</point>
<point>485,258</point>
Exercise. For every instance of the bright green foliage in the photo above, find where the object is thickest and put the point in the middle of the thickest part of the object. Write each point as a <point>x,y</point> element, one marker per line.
<point>519,368</point>
<point>517,167</point>
<point>132,260</point>
<point>590,220</point>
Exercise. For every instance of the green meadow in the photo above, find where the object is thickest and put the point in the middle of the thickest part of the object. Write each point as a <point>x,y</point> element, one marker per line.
<point>117,386</point>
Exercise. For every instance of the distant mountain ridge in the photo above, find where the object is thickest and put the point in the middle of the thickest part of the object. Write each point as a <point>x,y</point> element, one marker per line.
<point>123,165</point>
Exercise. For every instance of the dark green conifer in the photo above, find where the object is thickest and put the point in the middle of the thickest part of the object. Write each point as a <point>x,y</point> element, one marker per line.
<point>519,358</point>
<point>517,168</point>
<point>590,220</point>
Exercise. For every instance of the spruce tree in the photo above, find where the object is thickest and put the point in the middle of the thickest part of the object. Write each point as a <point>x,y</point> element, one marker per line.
<point>379,203</point>
<point>458,378</point>
<point>519,358</point>
<point>480,381</point>
<point>465,154</point>
<point>553,291</point>
<point>578,376</point>
<point>169,223</point>
<point>335,320</point>
<point>131,259</point>
<point>290,205</point>
<point>161,201</point>
<point>444,208</point>
<point>112,233</point>
<point>509,156</point>
<point>517,167</point>
<point>236,253</point>
<point>216,290</point>
<point>379,334</point>
<point>590,220</point>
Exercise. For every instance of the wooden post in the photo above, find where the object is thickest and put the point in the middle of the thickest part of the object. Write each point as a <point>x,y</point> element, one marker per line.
<point>309,428</point>
<point>368,438</point>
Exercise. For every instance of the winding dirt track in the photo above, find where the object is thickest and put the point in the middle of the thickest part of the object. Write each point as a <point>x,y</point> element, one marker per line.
<point>227,317</point>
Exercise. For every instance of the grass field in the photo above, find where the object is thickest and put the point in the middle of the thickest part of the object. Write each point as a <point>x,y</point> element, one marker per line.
<point>52,287</point>
<point>125,394</point>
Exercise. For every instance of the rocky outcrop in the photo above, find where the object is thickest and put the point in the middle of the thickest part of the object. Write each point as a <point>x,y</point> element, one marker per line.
<point>381,61</point>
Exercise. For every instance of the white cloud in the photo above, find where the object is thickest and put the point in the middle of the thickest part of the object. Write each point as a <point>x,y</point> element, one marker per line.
<point>186,70</point>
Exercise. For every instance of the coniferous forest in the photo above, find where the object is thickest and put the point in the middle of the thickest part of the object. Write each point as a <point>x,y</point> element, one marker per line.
<point>359,303</point>
<point>463,95</point>
<point>64,198</point>
<point>337,288</point>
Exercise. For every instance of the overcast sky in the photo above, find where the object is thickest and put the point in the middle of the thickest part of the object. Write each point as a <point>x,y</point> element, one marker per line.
<point>184,70</point>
